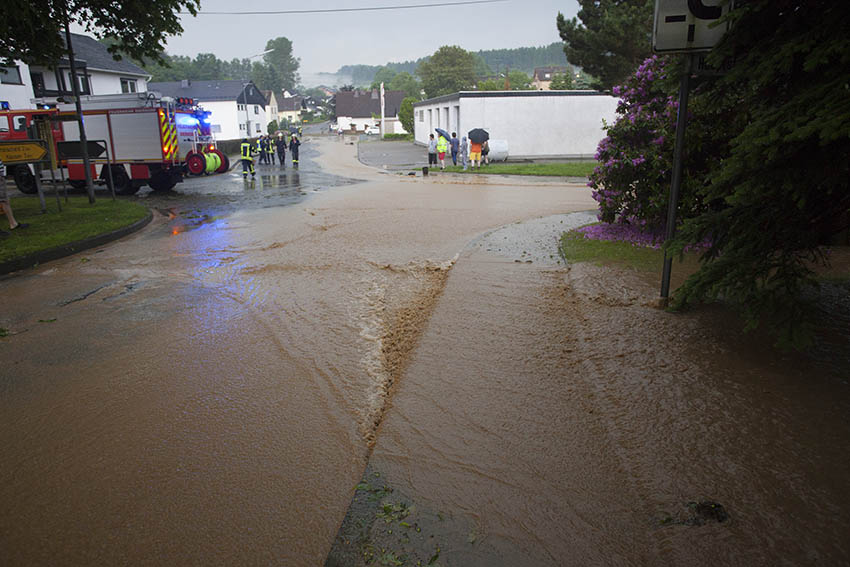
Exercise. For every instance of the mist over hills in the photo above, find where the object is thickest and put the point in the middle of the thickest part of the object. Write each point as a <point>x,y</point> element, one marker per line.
<point>524,59</point>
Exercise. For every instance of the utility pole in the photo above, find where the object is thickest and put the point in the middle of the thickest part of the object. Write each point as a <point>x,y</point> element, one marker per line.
<point>76,90</point>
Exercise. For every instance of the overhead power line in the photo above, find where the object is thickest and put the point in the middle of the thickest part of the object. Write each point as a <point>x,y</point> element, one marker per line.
<point>330,10</point>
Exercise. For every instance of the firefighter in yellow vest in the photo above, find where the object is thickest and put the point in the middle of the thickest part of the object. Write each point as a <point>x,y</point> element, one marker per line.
<point>247,158</point>
<point>270,149</point>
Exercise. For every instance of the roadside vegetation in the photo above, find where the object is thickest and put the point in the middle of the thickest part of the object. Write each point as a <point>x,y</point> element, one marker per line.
<point>77,221</point>
<point>765,193</point>
<point>565,169</point>
<point>398,137</point>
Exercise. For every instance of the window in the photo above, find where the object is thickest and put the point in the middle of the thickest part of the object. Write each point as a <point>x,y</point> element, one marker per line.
<point>10,76</point>
<point>240,107</point>
<point>256,109</point>
<point>82,83</point>
<point>421,116</point>
<point>241,126</point>
<point>128,85</point>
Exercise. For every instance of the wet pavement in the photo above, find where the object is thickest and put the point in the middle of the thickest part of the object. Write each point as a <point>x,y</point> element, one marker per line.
<point>211,389</point>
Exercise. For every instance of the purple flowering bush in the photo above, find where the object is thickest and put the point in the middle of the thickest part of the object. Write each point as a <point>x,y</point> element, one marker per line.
<point>632,182</point>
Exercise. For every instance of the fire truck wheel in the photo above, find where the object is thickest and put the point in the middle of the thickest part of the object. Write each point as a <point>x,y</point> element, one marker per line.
<point>196,164</point>
<point>162,181</point>
<point>225,163</point>
<point>24,179</point>
<point>123,184</point>
<point>77,183</point>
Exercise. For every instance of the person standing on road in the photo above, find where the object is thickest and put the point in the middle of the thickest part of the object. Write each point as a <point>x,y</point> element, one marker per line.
<point>247,158</point>
<point>259,149</point>
<point>432,151</point>
<point>280,144</point>
<point>455,145</point>
<point>4,204</point>
<point>270,149</point>
<point>464,153</point>
<point>442,148</point>
<point>475,154</point>
<point>294,145</point>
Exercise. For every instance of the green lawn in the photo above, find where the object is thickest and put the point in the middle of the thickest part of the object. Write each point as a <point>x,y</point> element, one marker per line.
<point>78,220</point>
<point>576,248</point>
<point>565,169</point>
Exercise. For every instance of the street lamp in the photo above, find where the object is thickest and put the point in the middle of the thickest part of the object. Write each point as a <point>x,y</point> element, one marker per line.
<point>245,83</point>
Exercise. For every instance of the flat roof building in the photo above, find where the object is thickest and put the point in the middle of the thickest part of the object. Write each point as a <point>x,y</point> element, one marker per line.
<point>535,124</point>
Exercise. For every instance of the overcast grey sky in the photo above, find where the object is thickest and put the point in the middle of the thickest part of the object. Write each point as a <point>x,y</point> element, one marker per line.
<point>326,41</point>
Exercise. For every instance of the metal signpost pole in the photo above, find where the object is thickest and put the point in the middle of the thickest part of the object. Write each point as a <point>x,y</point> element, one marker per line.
<point>684,26</point>
<point>676,185</point>
<point>76,91</point>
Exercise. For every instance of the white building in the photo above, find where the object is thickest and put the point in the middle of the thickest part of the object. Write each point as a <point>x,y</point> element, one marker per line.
<point>355,110</point>
<point>23,86</point>
<point>535,124</point>
<point>237,108</point>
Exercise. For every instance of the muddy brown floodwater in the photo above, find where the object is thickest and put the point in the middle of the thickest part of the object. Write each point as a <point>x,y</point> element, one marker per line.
<point>209,396</point>
<point>213,396</point>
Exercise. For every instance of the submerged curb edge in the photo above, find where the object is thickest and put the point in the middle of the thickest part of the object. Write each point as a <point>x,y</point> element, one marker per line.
<point>37,258</point>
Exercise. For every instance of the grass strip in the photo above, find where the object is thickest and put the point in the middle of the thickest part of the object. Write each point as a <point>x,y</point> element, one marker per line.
<point>77,221</point>
<point>565,169</point>
<point>575,247</point>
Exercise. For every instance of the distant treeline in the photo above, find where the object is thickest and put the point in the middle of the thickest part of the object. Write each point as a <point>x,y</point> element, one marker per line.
<point>523,59</point>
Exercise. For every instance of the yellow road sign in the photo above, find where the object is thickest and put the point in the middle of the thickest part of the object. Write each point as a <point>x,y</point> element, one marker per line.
<point>23,151</point>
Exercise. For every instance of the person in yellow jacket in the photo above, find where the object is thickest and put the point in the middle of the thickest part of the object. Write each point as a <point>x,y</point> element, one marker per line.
<point>247,154</point>
<point>442,148</point>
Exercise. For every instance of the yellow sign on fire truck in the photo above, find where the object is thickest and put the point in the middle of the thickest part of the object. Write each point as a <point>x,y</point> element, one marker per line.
<point>23,151</point>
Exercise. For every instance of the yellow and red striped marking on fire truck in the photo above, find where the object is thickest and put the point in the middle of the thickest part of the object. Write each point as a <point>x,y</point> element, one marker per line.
<point>169,136</point>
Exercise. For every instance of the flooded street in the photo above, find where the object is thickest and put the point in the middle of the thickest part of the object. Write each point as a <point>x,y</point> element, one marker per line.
<point>210,390</point>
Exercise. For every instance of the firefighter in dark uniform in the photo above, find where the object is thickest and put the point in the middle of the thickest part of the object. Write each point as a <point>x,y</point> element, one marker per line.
<point>270,149</point>
<point>247,158</point>
<point>294,144</point>
<point>280,144</point>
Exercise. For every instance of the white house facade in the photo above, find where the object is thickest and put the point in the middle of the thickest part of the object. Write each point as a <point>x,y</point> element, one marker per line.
<point>36,86</point>
<point>535,124</point>
<point>237,109</point>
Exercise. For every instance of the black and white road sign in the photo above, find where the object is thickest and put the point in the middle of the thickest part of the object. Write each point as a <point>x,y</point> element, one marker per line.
<point>688,25</point>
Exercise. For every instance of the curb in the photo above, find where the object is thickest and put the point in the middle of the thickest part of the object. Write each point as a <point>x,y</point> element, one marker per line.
<point>37,258</point>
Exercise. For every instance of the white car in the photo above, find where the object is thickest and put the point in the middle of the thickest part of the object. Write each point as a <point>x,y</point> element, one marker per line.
<point>372,130</point>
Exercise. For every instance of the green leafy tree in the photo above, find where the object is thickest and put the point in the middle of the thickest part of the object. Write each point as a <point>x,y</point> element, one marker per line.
<point>612,39</point>
<point>272,127</point>
<point>283,64</point>
<point>405,113</point>
<point>448,70</point>
<point>519,81</point>
<point>265,77</point>
<point>406,82</point>
<point>491,85</point>
<point>561,82</point>
<point>784,189</point>
<point>383,75</point>
<point>32,30</point>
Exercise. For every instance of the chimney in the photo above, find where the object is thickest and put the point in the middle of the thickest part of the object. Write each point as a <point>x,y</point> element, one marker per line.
<point>185,83</point>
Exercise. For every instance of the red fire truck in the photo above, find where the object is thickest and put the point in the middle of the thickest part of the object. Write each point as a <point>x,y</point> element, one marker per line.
<point>150,140</point>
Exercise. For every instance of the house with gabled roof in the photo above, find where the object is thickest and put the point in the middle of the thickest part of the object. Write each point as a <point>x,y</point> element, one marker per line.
<point>237,108</point>
<point>355,110</point>
<point>289,110</point>
<point>542,77</point>
<point>24,86</point>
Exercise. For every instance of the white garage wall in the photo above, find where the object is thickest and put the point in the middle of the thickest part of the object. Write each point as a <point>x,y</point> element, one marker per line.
<point>536,124</point>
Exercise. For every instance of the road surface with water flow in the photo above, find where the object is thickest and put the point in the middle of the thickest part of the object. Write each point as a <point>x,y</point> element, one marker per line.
<point>210,390</point>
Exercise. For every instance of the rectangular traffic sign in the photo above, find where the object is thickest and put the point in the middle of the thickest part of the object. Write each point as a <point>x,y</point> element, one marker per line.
<point>688,25</point>
<point>74,150</point>
<point>23,151</point>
